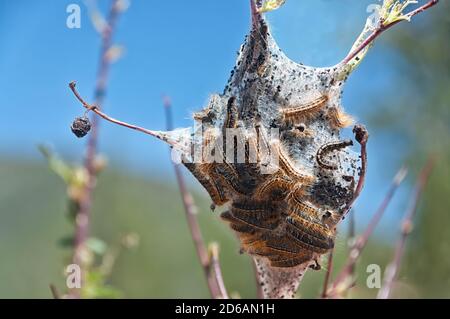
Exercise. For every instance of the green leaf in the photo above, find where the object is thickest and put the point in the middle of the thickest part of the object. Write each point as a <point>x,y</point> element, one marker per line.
<point>95,287</point>
<point>57,165</point>
<point>270,5</point>
<point>96,245</point>
<point>66,242</point>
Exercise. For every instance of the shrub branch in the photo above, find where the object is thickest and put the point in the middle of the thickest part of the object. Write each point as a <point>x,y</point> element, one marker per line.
<point>210,262</point>
<point>342,280</point>
<point>383,25</point>
<point>407,226</point>
<point>85,204</point>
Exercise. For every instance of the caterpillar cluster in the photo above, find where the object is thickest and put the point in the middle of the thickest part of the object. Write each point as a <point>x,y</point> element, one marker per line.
<point>283,194</point>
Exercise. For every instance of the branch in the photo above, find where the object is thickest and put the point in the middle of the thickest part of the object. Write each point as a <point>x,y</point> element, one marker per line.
<point>328,274</point>
<point>341,282</point>
<point>407,226</point>
<point>351,238</point>
<point>383,27</point>
<point>362,137</point>
<point>215,265</point>
<point>55,292</point>
<point>96,110</point>
<point>85,204</point>
<point>93,108</point>
<point>211,267</point>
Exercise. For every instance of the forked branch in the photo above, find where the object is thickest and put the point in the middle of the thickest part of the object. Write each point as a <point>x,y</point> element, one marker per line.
<point>390,18</point>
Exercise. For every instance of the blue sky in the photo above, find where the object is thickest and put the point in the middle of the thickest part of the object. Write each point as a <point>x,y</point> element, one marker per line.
<point>185,49</point>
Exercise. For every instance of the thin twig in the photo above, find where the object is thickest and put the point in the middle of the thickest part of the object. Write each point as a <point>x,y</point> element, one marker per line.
<point>407,226</point>
<point>362,137</point>
<point>328,274</point>
<point>55,292</point>
<point>351,244</point>
<point>362,240</point>
<point>350,241</point>
<point>383,27</point>
<point>96,110</point>
<point>351,238</point>
<point>215,265</point>
<point>212,272</point>
<point>85,203</point>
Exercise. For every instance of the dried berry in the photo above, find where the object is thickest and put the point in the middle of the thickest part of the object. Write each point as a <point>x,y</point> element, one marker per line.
<point>81,126</point>
<point>361,134</point>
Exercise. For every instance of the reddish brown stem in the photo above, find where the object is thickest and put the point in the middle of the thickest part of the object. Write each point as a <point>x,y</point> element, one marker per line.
<point>383,27</point>
<point>407,225</point>
<point>108,118</point>
<point>362,137</point>
<point>85,204</point>
<point>217,270</point>
<point>361,242</point>
<point>351,238</point>
<point>328,275</point>
<point>211,268</point>
<point>55,292</point>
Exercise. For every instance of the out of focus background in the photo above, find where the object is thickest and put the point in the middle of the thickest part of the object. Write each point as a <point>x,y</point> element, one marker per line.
<point>186,49</point>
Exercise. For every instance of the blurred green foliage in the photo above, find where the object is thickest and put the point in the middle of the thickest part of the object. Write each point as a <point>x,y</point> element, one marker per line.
<point>419,113</point>
<point>33,213</point>
<point>164,264</point>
